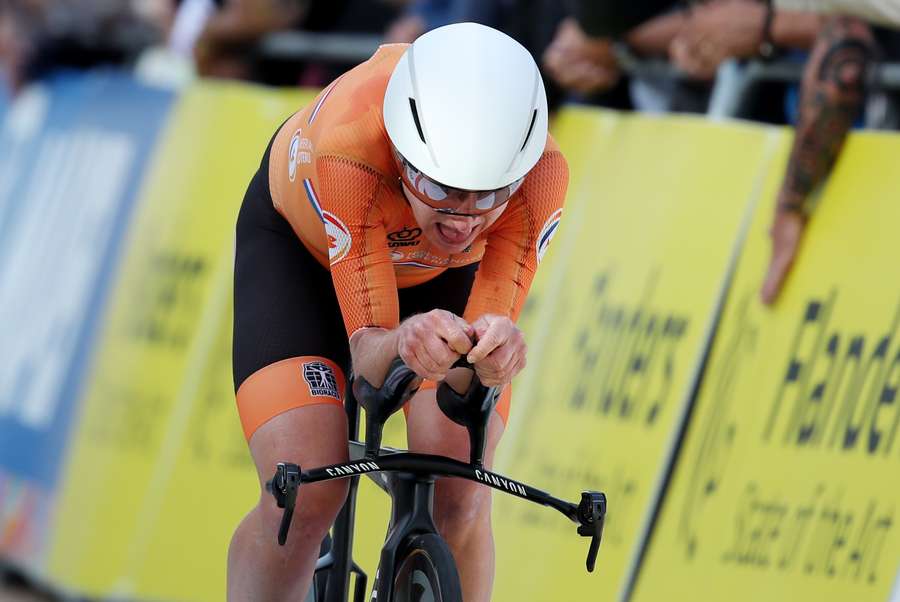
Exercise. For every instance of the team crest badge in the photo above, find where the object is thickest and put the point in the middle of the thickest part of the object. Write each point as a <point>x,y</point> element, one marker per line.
<point>321,380</point>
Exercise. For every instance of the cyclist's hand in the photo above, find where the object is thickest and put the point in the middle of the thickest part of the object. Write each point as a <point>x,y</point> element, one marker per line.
<point>430,343</point>
<point>500,352</point>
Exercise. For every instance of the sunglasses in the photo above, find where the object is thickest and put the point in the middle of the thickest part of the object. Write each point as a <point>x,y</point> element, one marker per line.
<point>446,199</point>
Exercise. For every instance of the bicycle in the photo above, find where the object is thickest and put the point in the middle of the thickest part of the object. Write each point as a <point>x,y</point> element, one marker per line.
<point>416,563</point>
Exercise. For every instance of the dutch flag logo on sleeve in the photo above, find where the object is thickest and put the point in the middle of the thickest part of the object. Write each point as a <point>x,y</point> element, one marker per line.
<point>547,232</point>
<point>339,239</point>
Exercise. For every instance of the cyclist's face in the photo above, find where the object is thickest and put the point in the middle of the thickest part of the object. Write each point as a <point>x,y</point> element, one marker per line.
<point>451,233</point>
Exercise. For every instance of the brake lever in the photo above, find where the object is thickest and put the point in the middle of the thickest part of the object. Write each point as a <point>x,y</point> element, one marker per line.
<point>592,515</point>
<point>283,487</point>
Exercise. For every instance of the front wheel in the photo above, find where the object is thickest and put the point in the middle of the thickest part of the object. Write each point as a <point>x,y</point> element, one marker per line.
<point>427,572</point>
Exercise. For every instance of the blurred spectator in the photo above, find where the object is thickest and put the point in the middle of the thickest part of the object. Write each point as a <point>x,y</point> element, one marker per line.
<point>832,95</point>
<point>614,18</point>
<point>725,29</point>
<point>40,36</point>
<point>531,22</point>
<point>699,37</point>
<point>589,65</point>
<point>188,23</point>
<point>424,15</point>
<point>230,32</point>
<point>745,29</point>
<point>13,46</point>
<point>884,12</point>
<point>580,63</point>
<point>19,25</point>
<point>227,45</point>
<point>370,17</point>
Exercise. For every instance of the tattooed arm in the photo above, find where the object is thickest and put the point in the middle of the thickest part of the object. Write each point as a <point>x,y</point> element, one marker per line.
<point>834,87</point>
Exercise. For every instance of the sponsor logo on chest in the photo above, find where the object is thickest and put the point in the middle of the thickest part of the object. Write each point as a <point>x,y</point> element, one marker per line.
<point>405,237</point>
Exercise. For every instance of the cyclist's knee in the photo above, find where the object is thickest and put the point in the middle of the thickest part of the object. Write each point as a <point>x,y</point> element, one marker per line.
<point>311,436</point>
<point>316,508</point>
<point>461,504</point>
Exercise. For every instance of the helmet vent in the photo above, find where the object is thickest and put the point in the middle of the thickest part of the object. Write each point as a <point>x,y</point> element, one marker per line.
<point>415,115</point>
<point>530,128</point>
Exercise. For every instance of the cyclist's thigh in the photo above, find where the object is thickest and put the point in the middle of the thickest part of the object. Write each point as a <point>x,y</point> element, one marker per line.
<point>290,349</point>
<point>310,436</point>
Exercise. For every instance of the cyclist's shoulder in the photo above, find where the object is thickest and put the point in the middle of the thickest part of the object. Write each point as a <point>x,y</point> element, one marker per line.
<point>536,207</point>
<point>548,180</point>
<point>552,156</point>
<point>350,118</point>
<point>358,94</point>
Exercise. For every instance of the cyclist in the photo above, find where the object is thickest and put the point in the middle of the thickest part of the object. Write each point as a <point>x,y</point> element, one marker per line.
<point>419,186</point>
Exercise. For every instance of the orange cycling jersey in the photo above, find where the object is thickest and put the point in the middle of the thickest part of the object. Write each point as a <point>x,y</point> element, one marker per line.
<point>332,176</point>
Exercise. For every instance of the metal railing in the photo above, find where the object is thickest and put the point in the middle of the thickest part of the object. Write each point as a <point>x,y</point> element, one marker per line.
<point>734,80</point>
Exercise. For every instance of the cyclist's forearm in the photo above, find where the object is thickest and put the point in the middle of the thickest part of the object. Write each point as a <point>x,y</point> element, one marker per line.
<point>372,350</point>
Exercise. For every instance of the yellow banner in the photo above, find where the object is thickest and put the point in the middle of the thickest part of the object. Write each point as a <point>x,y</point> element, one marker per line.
<point>622,315</point>
<point>788,487</point>
<point>159,474</point>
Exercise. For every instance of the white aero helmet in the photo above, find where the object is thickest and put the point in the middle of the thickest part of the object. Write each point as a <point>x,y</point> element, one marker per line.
<point>466,107</point>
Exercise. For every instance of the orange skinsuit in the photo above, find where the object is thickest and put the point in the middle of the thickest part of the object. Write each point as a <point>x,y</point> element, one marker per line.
<point>333,178</point>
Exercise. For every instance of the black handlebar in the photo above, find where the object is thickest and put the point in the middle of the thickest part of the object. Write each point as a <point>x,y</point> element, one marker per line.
<point>471,409</point>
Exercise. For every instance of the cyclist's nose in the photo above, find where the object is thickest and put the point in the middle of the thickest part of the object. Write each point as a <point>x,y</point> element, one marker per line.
<point>461,224</point>
<point>467,201</point>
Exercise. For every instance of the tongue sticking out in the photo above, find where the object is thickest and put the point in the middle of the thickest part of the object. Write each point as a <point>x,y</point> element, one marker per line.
<point>451,235</point>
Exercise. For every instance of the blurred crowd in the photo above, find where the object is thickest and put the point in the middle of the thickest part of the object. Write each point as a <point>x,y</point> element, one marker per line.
<point>587,48</point>
<point>646,55</point>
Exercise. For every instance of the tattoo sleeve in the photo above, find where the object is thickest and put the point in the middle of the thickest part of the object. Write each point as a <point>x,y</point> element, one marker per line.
<point>834,87</point>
